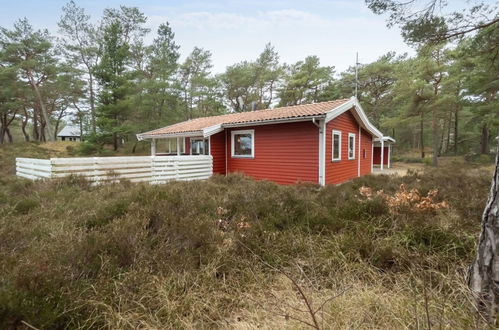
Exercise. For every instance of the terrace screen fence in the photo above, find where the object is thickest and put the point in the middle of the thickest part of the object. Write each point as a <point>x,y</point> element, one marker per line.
<point>153,169</point>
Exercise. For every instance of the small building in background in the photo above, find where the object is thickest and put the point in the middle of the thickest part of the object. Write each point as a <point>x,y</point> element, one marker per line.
<point>69,133</point>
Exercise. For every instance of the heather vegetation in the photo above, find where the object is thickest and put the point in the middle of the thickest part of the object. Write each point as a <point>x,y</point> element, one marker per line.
<point>234,252</point>
<point>384,252</point>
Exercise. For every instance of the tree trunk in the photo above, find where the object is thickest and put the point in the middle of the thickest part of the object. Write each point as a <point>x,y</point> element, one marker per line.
<point>80,122</point>
<point>484,140</point>
<point>115,142</point>
<point>92,102</point>
<point>434,124</point>
<point>43,109</point>
<point>449,128</point>
<point>24,122</point>
<point>9,135</point>
<point>483,274</point>
<point>456,129</point>
<point>58,122</point>
<point>441,147</point>
<point>36,135</point>
<point>421,135</point>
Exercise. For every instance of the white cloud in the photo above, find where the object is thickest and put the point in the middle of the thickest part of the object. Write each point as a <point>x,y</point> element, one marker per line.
<point>293,17</point>
<point>285,18</point>
<point>207,20</point>
<point>334,33</point>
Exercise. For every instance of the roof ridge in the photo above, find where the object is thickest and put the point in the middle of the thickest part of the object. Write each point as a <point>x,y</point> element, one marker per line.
<point>268,109</point>
<point>290,111</point>
<point>296,105</point>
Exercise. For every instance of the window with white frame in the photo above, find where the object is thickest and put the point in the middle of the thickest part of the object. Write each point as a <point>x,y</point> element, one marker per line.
<point>171,145</point>
<point>243,144</point>
<point>336,151</point>
<point>199,146</point>
<point>351,146</point>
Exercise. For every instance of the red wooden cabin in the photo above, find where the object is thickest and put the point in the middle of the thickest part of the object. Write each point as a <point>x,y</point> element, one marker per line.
<point>325,143</point>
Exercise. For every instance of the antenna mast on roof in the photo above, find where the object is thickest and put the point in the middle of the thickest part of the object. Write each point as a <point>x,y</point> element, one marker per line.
<point>356,73</point>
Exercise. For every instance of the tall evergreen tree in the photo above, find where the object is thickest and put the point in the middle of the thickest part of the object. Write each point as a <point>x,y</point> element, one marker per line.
<point>32,53</point>
<point>304,82</point>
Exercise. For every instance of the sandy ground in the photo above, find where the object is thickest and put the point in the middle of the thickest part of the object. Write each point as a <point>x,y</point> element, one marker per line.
<point>399,169</point>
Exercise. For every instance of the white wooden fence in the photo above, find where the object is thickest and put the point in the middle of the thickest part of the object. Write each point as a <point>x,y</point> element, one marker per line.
<point>153,169</point>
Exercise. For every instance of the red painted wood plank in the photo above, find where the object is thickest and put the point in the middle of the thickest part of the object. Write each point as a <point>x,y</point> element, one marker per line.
<point>284,153</point>
<point>217,151</point>
<point>346,169</point>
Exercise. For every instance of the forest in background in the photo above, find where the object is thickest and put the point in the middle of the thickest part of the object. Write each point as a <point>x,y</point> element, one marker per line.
<point>102,77</point>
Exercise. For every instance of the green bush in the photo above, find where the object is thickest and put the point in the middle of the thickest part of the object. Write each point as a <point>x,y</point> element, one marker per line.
<point>412,159</point>
<point>87,148</point>
<point>197,254</point>
<point>24,206</point>
<point>480,158</point>
<point>428,161</point>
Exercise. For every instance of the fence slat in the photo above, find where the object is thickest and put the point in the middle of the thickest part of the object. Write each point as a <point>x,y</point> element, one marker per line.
<point>157,169</point>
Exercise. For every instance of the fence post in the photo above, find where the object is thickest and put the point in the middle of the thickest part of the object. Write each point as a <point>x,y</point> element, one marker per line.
<point>51,167</point>
<point>153,169</point>
<point>177,174</point>
<point>95,167</point>
<point>32,168</point>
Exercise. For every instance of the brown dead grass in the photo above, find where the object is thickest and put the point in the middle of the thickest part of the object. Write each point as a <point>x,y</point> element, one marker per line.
<point>58,146</point>
<point>130,256</point>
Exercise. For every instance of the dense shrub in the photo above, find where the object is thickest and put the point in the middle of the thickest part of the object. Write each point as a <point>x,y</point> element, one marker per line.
<point>214,253</point>
<point>86,148</point>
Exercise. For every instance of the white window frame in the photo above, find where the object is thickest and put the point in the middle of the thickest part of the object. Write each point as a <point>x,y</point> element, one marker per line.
<point>350,157</point>
<point>335,133</point>
<point>246,131</point>
<point>199,139</point>
<point>182,145</point>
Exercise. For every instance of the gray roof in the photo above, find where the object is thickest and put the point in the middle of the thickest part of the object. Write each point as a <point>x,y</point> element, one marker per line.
<point>70,130</point>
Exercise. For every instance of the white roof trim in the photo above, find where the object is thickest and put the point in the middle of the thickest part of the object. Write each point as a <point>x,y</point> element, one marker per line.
<point>143,136</point>
<point>209,131</point>
<point>354,103</point>
<point>273,121</point>
<point>385,139</point>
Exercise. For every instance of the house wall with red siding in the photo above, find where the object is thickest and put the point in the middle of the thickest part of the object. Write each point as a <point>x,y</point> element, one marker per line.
<point>365,145</point>
<point>187,145</point>
<point>284,153</point>
<point>217,151</point>
<point>345,169</point>
<point>377,156</point>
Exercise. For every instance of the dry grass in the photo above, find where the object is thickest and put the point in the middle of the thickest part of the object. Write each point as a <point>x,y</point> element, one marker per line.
<point>126,256</point>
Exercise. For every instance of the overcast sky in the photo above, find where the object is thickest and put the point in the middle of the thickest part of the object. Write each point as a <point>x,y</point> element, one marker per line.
<point>237,30</point>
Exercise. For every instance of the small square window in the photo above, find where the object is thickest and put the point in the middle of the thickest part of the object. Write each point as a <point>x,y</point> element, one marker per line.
<point>199,147</point>
<point>243,144</point>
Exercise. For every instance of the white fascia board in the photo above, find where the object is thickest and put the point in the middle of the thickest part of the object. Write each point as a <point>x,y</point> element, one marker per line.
<point>170,135</point>
<point>354,103</point>
<point>273,121</point>
<point>209,131</point>
<point>385,138</point>
<point>335,112</point>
